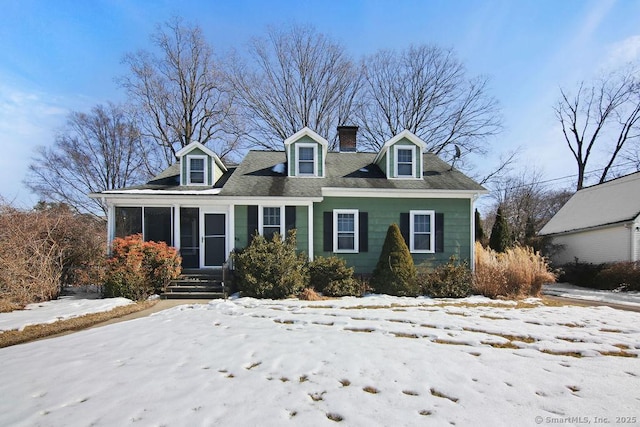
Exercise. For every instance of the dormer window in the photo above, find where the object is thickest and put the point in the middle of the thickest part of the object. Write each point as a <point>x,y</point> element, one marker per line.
<point>196,170</point>
<point>306,155</point>
<point>405,165</point>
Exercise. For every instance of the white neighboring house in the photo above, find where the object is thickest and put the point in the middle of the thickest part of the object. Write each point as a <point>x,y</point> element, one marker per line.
<point>599,224</point>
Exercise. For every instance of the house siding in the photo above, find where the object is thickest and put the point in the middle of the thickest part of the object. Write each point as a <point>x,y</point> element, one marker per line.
<point>594,246</point>
<point>241,213</point>
<point>384,212</point>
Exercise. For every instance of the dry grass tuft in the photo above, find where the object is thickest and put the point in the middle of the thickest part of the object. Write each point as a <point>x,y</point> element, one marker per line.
<point>359,329</point>
<point>411,393</point>
<point>563,353</point>
<point>345,382</point>
<point>34,332</point>
<point>516,273</point>
<point>405,335</point>
<point>7,306</point>
<point>334,417</point>
<point>437,393</point>
<point>425,412</point>
<point>253,365</point>
<point>308,294</point>
<point>317,397</point>
<point>370,389</point>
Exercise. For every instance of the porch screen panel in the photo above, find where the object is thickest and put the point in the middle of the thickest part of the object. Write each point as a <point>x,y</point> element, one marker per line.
<point>128,221</point>
<point>190,237</point>
<point>157,225</point>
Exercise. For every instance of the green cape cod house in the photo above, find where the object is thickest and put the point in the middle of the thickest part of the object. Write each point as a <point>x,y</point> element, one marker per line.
<point>340,202</point>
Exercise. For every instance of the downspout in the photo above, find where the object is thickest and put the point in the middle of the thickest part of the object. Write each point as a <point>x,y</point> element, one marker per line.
<point>634,241</point>
<point>472,261</point>
<point>111,215</point>
<point>310,221</point>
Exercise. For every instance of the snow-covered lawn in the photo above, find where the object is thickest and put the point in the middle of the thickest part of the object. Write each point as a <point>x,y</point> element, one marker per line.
<point>79,303</point>
<point>374,361</point>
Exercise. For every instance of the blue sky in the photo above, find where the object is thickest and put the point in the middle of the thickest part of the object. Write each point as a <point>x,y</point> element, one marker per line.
<point>61,56</point>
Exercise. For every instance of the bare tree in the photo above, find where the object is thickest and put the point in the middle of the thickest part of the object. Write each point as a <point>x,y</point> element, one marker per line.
<point>97,151</point>
<point>603,117</point>
<point>180,93</point>
<point>527,203</point>
<point>425,89</point>
<point>296,77</point>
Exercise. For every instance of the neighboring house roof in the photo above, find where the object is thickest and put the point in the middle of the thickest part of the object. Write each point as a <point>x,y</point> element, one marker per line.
<point>263,173</point>
<point>608,203</point>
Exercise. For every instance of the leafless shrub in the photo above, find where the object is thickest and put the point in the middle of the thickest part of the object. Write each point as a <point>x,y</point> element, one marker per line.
<point>42,249</point>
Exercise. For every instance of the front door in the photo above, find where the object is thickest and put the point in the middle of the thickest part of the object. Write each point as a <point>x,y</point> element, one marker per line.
<point>214,253</point>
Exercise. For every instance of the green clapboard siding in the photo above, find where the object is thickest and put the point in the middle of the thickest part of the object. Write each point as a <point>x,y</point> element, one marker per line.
<point>302,227</point>
<point>384,212</point>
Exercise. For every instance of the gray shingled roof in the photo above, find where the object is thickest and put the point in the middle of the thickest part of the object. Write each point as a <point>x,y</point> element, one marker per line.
<point>263,173</point>
<point>612,202</point>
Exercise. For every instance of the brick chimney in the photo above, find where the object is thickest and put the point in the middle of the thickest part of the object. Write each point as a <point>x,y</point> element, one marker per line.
<point>347,138</point>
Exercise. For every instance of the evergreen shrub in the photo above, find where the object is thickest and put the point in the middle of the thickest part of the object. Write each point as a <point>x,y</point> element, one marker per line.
<point>450,280</point>
<point>332,277</point>
<point>271,268</point>
<point>395,273</point>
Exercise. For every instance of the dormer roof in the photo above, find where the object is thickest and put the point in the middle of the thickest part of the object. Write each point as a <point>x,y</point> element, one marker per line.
<point>405,134</point>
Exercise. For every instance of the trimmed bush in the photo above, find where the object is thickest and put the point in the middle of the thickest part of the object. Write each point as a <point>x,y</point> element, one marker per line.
<point>450,280</point>
<point>623,276</point>
<point>518,272</point>
<point>395,273</point>
<point>332,277</point>
<point>271,269</point>
<point>138,269</point>
<point>583,274</point>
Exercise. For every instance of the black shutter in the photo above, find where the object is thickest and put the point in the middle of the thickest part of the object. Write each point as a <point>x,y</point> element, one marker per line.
<point>363,231</point>
<point>327,232</point>
<point>290,217</point>
<point>404,226</point>
<point>439,232</point>
<point>252,222</point>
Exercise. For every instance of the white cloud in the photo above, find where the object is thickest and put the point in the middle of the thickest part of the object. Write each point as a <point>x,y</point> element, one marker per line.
<point>28,119</point>
<point>623,52</point>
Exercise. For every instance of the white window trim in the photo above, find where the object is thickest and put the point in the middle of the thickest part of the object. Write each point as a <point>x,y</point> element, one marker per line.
<point>261,219</point>
<point>315,159</point>
<point>356,231</point>
<point>413,161</point>
<point>206,169</point>
<point>432,232</point>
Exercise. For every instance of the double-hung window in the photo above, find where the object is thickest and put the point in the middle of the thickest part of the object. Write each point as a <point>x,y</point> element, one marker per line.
<point>405,166</point>
<point>306,159</point>
<point>422,231</point>
<point>345,226</point>
<point>271,221</point>
<point>197,170</point>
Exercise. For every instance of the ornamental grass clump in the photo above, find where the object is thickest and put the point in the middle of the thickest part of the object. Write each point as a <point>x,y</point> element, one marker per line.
<point>518,272</point>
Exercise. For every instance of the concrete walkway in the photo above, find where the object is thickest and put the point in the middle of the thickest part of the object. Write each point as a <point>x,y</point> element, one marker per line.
<point>592,303</point>
<point>161,305</point>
